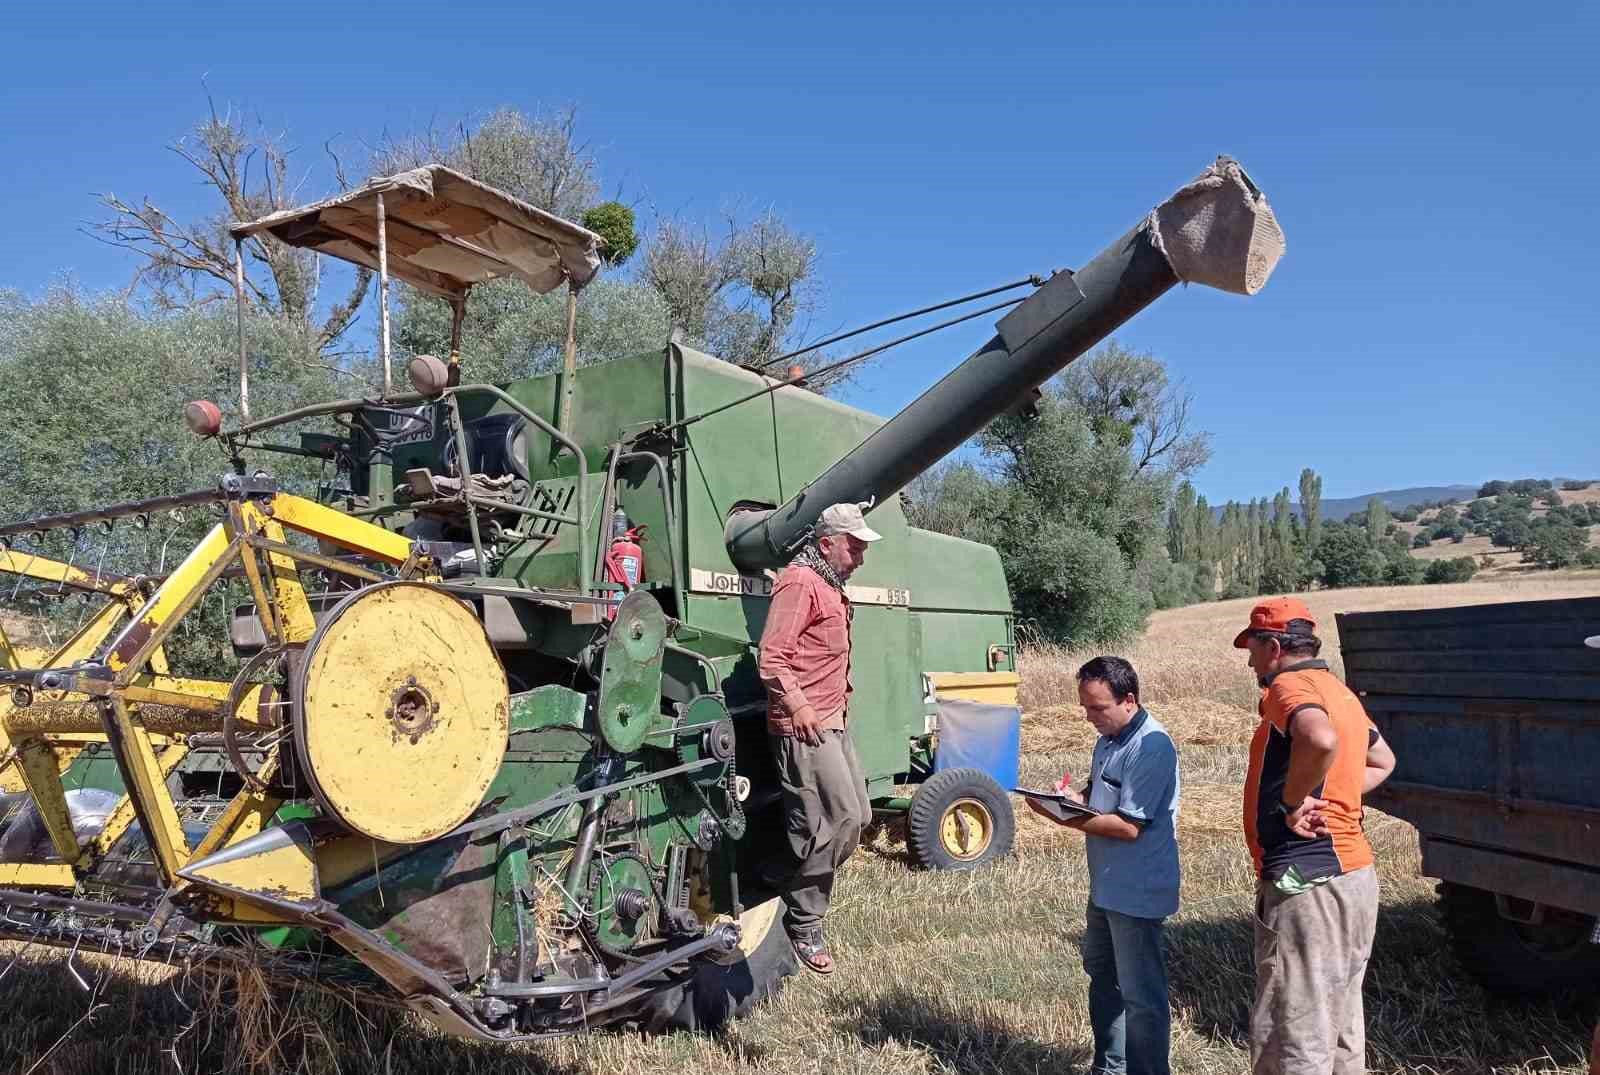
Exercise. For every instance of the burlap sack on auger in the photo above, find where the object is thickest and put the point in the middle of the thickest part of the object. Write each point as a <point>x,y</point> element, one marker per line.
<point>1219,230</point>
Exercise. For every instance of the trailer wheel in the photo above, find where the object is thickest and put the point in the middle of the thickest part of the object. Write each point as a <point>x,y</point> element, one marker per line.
<point>716,993</point>
<point>959,820</point>
<point>1514,957</point>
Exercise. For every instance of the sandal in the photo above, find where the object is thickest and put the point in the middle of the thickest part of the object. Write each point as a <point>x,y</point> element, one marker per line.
<point>809,947</point>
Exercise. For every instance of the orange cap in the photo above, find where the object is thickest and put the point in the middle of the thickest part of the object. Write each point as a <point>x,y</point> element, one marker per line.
<point>1278,615</point>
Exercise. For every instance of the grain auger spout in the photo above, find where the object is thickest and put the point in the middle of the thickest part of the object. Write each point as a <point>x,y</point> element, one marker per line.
<point>1216,230</point>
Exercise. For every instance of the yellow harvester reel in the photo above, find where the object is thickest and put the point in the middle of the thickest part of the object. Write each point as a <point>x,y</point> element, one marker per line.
<point>402,712</point>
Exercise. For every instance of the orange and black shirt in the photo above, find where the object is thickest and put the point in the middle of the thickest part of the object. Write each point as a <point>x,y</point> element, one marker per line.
<point>1273,847</point>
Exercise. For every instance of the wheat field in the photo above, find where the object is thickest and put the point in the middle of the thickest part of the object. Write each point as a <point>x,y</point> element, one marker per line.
<point>938,972</point>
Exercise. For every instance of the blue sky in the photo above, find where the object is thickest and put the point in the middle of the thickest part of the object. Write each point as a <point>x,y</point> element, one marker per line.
<point>1435,168</point>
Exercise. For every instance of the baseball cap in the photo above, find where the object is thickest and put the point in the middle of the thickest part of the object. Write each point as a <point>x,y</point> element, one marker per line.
<point>1281,615</point>
<point>1593,642</point>
<point>845,519</point>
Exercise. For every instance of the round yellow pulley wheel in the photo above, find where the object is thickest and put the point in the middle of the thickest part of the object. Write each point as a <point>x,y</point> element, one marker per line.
<point>401,719</point>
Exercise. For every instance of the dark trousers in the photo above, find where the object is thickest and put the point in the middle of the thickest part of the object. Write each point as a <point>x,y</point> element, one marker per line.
<point>826,807</point>
<point>1126,960</point>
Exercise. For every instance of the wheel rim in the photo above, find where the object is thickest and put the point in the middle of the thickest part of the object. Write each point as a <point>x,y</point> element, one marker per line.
<point>966,830</point>
<point>1560,938</point>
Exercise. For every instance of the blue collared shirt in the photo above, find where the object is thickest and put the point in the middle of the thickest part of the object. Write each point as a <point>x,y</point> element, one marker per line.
<point>1135,775</point>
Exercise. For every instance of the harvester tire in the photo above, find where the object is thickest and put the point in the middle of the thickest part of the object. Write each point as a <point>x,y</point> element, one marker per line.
<point>718,993</point>
<point>959,819</point>
<point>1514,959</point>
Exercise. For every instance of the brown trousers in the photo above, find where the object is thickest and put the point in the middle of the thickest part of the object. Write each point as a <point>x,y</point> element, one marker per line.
<point>1311,956</point>
<point>826,807</point>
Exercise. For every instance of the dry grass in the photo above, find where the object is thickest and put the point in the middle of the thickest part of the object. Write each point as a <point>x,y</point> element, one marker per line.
<point>939,972</point>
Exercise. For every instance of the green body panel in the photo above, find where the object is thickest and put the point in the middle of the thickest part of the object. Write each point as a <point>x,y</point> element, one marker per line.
<point>937,603</point>
<point>961,603</point>
<point>923,603</point>
<point>550,706</point>
<point>955,575</point>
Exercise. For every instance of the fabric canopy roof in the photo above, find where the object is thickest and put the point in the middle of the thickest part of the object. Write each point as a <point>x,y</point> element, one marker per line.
<point>444,232</point>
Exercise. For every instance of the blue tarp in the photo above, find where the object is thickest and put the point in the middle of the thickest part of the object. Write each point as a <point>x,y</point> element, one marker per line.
<point>980,735</point>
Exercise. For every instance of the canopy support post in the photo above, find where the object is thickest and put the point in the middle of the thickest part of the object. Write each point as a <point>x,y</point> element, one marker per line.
<point>458,314</point>
<point>569,365</point>
<point>383,298</point>
<point>244,365</point>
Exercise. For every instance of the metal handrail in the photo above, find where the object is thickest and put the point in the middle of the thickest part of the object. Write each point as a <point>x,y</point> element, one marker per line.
<point>586,576</point>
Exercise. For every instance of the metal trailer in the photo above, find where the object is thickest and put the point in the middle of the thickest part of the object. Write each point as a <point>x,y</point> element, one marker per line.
<point>1493,712</point>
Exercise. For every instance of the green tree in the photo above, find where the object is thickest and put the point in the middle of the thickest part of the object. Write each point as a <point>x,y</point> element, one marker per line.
<point>1076,521</point>
<point>537,158</point>
<point>1556,545</point>
<point>614,223</point>
<point>738,291</point>
<point>1280,572</point>
<point>510,332</point>
<point>1400,568</point>
<point>1513,533</point>
<point>1210,542</point>
<point>97,389</point>
<point>1311,505</point>
<point>953,498</point>
<point>1377,519</point>
<point>107,383</point>
<point>1459,569</point>
<point>1182,526</point>
<point>1348,558</point>
<point>1130,398</point>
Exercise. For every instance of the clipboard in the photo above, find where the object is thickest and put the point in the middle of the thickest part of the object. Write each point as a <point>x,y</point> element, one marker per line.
<point>1057,805</point>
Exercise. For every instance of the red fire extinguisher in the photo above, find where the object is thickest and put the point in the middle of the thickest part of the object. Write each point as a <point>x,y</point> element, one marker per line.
<point>625,559</point>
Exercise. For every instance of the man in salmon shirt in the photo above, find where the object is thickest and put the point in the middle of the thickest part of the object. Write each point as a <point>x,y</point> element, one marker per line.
<point>804,663</point>
<point>1315,753</point>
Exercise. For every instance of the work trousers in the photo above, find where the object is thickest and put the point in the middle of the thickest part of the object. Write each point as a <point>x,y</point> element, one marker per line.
<point>1126,960</point>
<point>1311,956</point>
<point>826,807</point>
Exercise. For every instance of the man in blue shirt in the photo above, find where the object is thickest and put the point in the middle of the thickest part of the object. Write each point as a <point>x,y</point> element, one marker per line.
<point>1132,848</point>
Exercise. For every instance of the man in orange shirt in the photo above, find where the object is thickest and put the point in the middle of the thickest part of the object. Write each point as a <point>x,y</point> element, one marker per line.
<point>1314,754</point>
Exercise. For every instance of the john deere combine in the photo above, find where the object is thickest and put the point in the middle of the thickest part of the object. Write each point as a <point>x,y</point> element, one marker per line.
<point>490,743</point>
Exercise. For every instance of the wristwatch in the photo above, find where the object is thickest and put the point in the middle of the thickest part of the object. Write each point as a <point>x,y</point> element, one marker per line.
<point>1282,809</point>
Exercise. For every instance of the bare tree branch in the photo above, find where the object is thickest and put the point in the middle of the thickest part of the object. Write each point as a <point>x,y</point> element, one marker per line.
<point>187,264</point>
<point>1130,397</point>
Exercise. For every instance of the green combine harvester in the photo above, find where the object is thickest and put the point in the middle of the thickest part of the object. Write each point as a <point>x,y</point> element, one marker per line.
<point>491,744</point>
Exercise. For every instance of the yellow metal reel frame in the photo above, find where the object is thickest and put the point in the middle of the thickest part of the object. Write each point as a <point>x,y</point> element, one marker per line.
<point>254,535</point>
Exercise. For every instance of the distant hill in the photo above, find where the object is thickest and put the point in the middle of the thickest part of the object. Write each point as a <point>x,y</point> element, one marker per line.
<point>1393,499</point>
